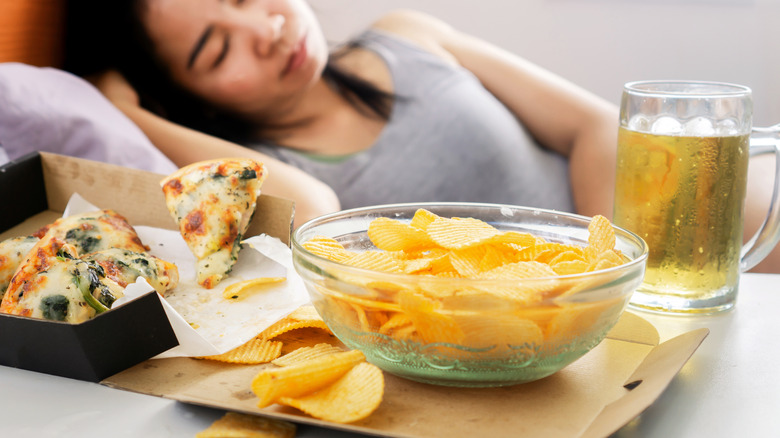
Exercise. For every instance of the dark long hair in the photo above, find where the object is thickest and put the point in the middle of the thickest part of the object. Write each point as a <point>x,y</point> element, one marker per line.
<point>104,34</point>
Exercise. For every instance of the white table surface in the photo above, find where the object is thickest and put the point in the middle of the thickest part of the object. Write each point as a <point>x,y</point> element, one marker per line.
<point>729,388</point>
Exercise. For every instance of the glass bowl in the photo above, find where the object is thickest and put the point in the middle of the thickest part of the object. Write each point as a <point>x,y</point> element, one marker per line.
<point>464,331</point>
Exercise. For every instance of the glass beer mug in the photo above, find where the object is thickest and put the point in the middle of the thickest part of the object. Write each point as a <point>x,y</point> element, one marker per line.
<point>682,160</point>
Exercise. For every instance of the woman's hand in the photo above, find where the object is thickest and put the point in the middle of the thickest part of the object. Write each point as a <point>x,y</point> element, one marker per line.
<point>116,88</point>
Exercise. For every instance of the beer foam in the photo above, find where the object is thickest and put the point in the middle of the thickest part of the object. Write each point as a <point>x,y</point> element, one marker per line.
<point>698,127</point>
<point>666,125</point>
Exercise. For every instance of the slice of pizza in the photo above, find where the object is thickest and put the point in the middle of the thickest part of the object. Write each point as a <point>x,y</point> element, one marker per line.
<point>87,232</point>
<point>12,254</point>
<point>69,290</point>
<point>44,254</point>
<point>95,231</point>
<point>52,283</point>
<point>125,266</point>
<point>212,203</point>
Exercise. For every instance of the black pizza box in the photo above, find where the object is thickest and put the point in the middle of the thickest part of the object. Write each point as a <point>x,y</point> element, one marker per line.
<point>34,191</point>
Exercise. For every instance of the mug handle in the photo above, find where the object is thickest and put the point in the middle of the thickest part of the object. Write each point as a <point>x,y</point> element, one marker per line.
<point>764,240</point>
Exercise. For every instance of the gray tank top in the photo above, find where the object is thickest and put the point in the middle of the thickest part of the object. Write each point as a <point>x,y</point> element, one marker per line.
<point>448,139</point>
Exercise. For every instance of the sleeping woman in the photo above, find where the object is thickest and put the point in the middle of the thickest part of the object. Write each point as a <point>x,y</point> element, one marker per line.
<point>408,110</point>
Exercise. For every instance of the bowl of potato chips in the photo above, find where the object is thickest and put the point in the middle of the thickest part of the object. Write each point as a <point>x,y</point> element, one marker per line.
<point>466,294</point>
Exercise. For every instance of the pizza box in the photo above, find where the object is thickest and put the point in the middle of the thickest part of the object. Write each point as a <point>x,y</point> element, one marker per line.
<point>594,396</point>
<point>34,191</point>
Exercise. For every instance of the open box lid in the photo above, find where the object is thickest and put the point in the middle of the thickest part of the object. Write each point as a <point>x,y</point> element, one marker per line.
<point>594,396</point>
<point>44,183</point>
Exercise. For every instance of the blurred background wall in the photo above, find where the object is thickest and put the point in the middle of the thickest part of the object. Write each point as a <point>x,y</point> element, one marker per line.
<point>601,44</point>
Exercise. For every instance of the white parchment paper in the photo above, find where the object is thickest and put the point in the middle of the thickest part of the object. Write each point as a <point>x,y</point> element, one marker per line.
<point>204,321</point>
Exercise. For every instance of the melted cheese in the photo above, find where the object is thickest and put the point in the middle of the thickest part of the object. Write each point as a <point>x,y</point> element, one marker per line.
<point>12,254</point>
<point>96,231</point>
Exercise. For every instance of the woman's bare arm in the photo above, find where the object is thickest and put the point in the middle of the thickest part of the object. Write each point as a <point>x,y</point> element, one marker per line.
<point>761,179</point>
<point>183,146</point>
<point>560,115</point>
<point>563,117</point>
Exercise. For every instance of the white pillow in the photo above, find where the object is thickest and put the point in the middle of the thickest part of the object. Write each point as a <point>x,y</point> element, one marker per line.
<point>47,109</point>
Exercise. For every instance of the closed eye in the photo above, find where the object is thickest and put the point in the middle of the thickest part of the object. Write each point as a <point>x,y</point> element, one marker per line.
<point>222,52</point>
<point>198,48</point>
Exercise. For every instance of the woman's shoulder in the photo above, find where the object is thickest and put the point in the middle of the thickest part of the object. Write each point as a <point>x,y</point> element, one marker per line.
<point>426,31</point>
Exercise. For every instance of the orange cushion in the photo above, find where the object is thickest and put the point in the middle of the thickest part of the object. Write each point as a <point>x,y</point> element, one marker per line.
<point>32,31</point>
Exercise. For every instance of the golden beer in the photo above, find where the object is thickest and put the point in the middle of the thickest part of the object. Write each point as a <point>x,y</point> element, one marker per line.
<point>685,197</point>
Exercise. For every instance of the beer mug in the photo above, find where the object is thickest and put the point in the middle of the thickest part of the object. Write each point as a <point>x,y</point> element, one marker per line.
<point>682,161</point>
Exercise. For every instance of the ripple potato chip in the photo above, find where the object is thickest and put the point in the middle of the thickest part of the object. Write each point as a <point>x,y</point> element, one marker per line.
<point>237,425</point>
<point>353,397</point>
<point>392,235</point>
<point>306,353</point>
<point>374,260</point>
<point>422,219</point>
<point>304,316</point>
<point>601,234</point>
<point>501,332</point>
<point>569,267</point>
<point>457,233</point>
<point>303,378</point>
<point>394,322</point>
<point>241,289</point>
<point>328,248</point>
<point>256,351</point>
<point>431,325</point>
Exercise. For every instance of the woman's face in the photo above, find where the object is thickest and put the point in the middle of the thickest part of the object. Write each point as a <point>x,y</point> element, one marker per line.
<point>254,57</point>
